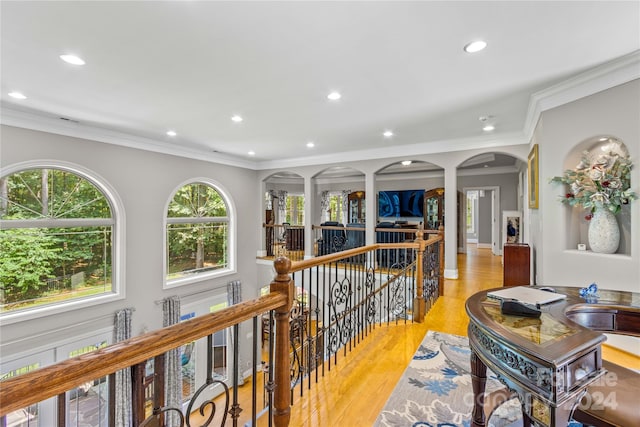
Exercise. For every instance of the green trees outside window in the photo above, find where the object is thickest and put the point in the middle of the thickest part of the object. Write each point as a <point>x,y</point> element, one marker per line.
<point>56,239</point>
<point>197,232</point>
<point>294,210</point>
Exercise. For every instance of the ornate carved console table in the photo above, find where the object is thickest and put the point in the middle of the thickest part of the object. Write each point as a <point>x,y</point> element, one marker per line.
<point>549,362</point>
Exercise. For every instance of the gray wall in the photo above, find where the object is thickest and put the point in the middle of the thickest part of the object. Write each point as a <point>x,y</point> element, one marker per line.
<point>555,228</point>
<point>144,181</point>
<point>484,219</point>
<point>560,134</point>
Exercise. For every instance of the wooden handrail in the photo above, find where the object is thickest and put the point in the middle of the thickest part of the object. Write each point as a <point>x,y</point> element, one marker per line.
<point>336,256</point>
<point>49,381</point>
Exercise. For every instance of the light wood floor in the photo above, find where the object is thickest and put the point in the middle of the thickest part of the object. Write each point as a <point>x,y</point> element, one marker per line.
<point>354,392</point>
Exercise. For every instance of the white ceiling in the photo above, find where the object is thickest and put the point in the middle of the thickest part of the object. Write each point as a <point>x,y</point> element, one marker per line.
<point>190,66</point>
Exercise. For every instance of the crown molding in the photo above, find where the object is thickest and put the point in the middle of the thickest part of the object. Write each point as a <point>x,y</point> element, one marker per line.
<point>605,76</point>
<point>39,122</point>
<point>433,147</point>
<point>602,77</point>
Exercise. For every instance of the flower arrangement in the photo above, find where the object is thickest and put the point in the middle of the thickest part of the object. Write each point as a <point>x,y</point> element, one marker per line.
<point>599,181</point>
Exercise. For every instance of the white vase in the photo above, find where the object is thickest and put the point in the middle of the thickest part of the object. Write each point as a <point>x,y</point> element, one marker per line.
<point>604,233</point>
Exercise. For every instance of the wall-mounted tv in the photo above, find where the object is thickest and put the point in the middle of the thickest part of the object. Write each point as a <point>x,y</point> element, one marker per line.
<point>411,203</point>
<point>406,203</point>
<point>389,203</point>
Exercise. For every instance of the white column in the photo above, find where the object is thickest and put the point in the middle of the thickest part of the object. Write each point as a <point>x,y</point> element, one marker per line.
<point>309,209</point>
<point>370,208</point>
<point>450,222</point>
<point>261,218</point>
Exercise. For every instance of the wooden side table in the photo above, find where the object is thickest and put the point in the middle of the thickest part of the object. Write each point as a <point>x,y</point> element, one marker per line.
<point>516,270</point>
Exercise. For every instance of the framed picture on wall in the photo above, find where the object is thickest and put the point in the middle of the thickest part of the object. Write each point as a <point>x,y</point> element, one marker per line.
<point>533,177</point>
<point>511,227</point>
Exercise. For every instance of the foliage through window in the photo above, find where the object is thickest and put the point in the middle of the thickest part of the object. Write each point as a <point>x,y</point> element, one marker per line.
<point>56,239</point>
<point>197,232</point>
<point>472,197</point>
<point>294,210</point>
<point>335,207</point>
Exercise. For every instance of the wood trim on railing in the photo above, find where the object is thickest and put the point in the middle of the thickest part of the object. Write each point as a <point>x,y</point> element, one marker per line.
<point>336,256</point>
<point>282,284</point>
<point>27,389</point>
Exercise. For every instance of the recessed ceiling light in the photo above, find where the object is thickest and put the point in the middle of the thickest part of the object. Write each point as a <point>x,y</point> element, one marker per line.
<point>310,144</point>
<point>387,134</point>
<point>17,95</point>
<point>171,133</point>
<point>72,59</point>
<point>334,96</point>
<point>406,162</point>
<point>251,153</point>
<point>236,118</point>
<point>488,128</point>
<point>475,46</point>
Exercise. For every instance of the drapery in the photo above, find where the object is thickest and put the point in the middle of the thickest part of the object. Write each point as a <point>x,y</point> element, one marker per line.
<point>282,206</point>
<point>345,206</point>
<point>122,331</point>
<point>173,372</point>
<point>324,205</point>
<point>234,296</point>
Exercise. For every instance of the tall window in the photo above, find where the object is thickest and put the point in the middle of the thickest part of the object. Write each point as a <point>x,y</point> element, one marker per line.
<point>472,197</point>
<point>198,233</point>
<point>294,211</point>
<point>56,239</point>
<point>335,207</point>
<point>194,354</point>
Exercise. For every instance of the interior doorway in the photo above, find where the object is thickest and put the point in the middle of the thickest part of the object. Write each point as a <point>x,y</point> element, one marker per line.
<point>481,207</point>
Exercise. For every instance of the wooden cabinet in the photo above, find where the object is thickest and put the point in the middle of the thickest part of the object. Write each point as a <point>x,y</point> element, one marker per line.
<point>434,208</point>
<point>516,259</point>
<point>356,208</point>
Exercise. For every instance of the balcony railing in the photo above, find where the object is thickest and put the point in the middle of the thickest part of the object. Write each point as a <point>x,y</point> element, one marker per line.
<point>331,237</point>
<point>317,309</point>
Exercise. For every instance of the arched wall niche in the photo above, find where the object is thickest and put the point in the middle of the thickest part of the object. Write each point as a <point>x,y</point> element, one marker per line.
<point>576,218</point>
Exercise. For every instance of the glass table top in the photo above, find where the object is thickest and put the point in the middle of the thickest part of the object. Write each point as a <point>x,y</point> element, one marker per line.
<point>539,331</point>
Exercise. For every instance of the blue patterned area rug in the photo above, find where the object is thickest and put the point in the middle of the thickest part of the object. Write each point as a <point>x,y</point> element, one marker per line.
<point>435,389</point>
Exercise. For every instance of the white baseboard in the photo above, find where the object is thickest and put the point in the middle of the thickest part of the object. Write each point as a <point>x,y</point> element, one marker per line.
<point>450,273</point>
<point>484,245</point>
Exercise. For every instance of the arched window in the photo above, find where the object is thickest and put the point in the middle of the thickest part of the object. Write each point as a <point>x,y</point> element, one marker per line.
<point>199,230</point>
<point>57,238</point>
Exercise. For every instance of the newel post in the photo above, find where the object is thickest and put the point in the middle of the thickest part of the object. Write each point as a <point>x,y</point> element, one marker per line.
<point>419,304</point>
<point>282,283</point>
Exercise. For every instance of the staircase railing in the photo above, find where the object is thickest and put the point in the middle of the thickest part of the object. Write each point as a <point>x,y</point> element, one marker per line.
<point>339,298</point>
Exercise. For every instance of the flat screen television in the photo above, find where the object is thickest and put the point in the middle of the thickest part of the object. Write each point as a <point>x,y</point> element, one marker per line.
<point>389,204</point>
<point>405,203</point>
<point>411,203</point>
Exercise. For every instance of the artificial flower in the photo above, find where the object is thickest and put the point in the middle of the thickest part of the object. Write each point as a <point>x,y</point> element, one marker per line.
<point>603,181</point>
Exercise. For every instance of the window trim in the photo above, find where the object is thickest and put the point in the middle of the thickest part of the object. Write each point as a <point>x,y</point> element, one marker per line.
<point>294,210</point>
<point>118,245</point>
<point>230,219</point>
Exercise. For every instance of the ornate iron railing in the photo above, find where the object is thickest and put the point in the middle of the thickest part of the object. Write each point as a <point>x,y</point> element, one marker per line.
<point>321,308</point>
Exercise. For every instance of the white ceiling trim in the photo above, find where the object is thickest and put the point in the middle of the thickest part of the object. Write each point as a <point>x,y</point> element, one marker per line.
<point>608,75</point>
<point>396,151</point>
<point>613,73</point>
<point>26,120</point>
